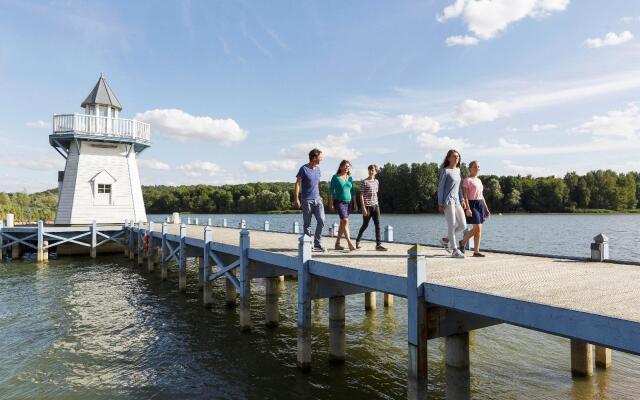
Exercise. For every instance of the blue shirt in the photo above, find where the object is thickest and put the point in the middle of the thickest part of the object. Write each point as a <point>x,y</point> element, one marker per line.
<point>310,189</point>
<point>449,188</point>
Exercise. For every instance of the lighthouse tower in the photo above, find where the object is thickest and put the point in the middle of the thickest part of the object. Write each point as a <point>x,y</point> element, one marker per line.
<point>100,181</point>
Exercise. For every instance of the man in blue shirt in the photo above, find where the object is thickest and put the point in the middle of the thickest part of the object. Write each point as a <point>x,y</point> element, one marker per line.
<point>308,196</point>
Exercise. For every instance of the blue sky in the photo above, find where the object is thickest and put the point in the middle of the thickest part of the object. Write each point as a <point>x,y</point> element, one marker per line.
<point>239,91</point>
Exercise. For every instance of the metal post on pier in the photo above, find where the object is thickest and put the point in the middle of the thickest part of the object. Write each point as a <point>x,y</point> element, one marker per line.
<point>150,249</point>
<point>417,322</point>
<point>209,222</point>
<point>245,282</point>
<point>164,253</point>
<point>206,268</point>
<point>182,259</point>
<point>224,222</point>
<point>296,227</point>
<point>197,221</point>
<point>94,239</point>
<point>40,254</point>
<point>303,359</point>
<point>242,224</point>
<point>333,231</point>
<point>266,226</point>
<point>188,220</point>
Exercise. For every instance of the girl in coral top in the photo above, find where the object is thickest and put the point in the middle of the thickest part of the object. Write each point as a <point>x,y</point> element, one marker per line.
<point>476,210</point>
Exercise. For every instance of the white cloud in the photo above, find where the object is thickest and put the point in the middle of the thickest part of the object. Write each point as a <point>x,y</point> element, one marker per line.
<point>629,20</point>
<point>177,124</point>
<point>459,40</point>
<point>486,18</point>
<point>610,39</point>
<point>472,112</point>
<point>419,123</point>
<point>505,144</point>
<point>269,166</point>
<point>38,124</point>
<point>625,124</point>
<point>543,127</point>
<point>200,168</point>
<point>430,142</point>
<point>35,163</point>
<point>154,164</point>
<point>514,169</point>
<point>332,146</point>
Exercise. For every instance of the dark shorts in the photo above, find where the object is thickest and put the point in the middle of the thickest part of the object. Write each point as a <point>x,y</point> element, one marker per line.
<point>477,212</point>
<point>342,208</point>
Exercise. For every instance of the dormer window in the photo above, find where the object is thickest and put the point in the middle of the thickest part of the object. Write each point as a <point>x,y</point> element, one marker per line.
<point>104,188</point>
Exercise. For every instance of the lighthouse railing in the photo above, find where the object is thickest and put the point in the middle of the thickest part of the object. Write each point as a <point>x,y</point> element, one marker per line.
<point>102,126</point>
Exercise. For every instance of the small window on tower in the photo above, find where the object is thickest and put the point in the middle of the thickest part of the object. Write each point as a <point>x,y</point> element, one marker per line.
<point>103,188</point>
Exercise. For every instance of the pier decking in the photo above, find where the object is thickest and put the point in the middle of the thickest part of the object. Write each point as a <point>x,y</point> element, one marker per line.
<point>591,303</point>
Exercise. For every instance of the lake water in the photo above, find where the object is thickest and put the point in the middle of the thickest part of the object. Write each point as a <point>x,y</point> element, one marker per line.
<point>77,328</point>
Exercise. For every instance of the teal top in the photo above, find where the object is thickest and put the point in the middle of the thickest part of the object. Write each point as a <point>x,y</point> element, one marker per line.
<point>341,189</point>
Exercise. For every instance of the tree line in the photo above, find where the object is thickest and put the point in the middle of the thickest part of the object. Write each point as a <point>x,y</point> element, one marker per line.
<point>404,188</point>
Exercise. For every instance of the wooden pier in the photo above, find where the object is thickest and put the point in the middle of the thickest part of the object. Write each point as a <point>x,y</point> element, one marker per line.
<point>593,303</point>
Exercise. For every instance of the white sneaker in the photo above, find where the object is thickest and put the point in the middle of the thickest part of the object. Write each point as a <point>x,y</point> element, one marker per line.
<point>445,244</point>
<point>457,254</point>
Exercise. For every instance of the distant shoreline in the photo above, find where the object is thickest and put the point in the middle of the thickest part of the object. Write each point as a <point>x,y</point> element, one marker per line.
<point>294,212</point>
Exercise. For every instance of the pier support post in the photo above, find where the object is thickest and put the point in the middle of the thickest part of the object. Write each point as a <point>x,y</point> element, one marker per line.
<point>182,259</point>
<point>337,336</point>
<point>200,260</point>
<point>417,322</point>
<point>272,296</point>
<point>40,255</point>
<point>581,358</point>
<point>458,374</point>
<point>370,301</point>
<point>388,300</point>
<point>94,241</point>
<point>603,357</point>
<point>304,303</point>
<point>150,248</point>
<point>125,228</point>
<point>206,268</point>
<point>245,282</point>
<point>132,251</point>
<point>141,233</point>
<point>231,293</point>
<point>164,252</point>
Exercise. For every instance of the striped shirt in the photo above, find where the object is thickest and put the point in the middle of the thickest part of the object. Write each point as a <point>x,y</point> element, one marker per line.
<point>369,190</point>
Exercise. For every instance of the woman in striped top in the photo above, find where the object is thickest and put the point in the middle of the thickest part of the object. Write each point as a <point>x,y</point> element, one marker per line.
<point>370,208</point>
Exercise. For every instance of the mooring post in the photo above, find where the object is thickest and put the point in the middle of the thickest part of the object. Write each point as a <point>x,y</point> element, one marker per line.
<point>417,322</point>
<point>164,253</point>
<point>457,372</point>
<point>337,336</point>
<point>224,222</point>
<point>209,222</point>
<point>245,282</point>
<point>335,230</point>
<point>10,220</point>
<point>206,268</point>
<point>40,255</point>
<point>370,301</point>
<point>304,303</point>
<point>296,227</point>
<point>94,239</point>
<point>581,358</point>
<point>470,244</point>
<point>197,221</point>
<point>242,224</point>
<point>125,228</point>
<point>600,253</point>
<point>132,251</point>
<point>175,218</point>
<point>150,248</point>
<point>188,220</point>
<point>182,259</point>
<point>272,297</point>
<point>140,246</point>
<point>388,237</point>
<point>266,226</point>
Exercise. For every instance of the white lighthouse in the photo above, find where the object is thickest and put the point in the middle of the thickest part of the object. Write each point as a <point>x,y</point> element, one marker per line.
<point>100,181</point>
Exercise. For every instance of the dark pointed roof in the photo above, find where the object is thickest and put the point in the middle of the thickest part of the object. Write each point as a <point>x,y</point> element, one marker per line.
<point>103,95</point>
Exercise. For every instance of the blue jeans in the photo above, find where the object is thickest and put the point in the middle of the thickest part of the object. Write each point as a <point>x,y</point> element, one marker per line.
<point>316,208</point>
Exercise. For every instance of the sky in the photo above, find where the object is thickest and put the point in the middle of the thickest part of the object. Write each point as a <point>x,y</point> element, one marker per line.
<point>240,91</point>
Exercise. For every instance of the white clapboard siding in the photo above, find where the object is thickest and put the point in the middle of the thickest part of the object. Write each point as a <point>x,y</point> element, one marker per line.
<point>78,205</point>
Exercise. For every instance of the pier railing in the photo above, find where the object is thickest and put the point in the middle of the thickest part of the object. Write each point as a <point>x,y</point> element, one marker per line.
<point>102,126</point>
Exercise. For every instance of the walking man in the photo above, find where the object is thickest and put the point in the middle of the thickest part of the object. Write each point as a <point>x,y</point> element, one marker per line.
<point>307,197</point>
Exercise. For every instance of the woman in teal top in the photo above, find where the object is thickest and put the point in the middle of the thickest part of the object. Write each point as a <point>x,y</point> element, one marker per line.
<point>340,190</point>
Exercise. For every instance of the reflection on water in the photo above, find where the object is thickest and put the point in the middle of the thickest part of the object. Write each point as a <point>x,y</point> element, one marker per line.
<point>77,328</point>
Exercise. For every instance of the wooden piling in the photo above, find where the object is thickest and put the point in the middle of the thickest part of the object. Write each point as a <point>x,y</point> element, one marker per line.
<point>304,304</point>
<point>94,239</point>
<point>164,253</point>
<point>182,259</point>
<point>272,297</point>
<point>337,336</point>
<point>132,251</point>
<point>581,358</point>
<point>457,371</point>
<point>200,261</point>
<point>40,253</point>
<point>370,301</point>
<point>140,246</point>
<point>245,282</point>
<point>388,300</point>
<point>417,322</point>
<point>151,261</point>
<point>206,268</point>
<point>126,238</point>
<point>603,357</point>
